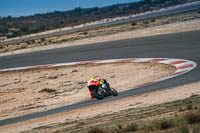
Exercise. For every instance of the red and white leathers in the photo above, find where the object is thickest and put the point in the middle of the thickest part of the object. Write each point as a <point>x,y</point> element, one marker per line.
<point>95,82</point>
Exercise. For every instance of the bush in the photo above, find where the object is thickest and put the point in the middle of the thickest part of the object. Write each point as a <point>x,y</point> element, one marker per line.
<point>153,20</point>
<point>181,109</point>
<point>149,127</point>
<point>1,47</point>
<point>146,22</point>
<point>95,130</point>
<point>189,107</point>
<point>33,41</point>
<point>196,129</point>
<point>15,34</point>
<point>85,33</point>
<point>28,42</point>
<point>133,24</point>
<point>131,127</point>
<point>192,117</point>
<point>43,39</point>
<point>181,126</point>
<point>119,126</point>
<point>166,124</point>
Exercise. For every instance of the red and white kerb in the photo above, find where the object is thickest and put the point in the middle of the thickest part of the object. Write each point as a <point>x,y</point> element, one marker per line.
<point>182,66</point>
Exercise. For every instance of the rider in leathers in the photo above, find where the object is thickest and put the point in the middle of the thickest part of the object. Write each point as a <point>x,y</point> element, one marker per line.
<point>97,82</point>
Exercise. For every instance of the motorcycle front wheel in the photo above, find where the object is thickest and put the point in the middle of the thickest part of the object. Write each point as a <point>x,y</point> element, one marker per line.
<point>114,92</point>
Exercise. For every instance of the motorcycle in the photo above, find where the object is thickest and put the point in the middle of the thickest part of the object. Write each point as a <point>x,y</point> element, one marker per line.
<point>104,90</point>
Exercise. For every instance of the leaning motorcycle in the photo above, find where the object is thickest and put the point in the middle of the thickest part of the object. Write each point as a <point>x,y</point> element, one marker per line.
<point>99,92</point>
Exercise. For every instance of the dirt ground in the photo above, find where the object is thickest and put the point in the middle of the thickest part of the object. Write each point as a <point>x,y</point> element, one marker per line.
<point>28,91</point>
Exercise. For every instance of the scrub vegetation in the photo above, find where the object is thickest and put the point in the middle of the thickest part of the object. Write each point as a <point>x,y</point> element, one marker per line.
<point>24,25</point>
<point>171,117</point>
<point>102,31</point>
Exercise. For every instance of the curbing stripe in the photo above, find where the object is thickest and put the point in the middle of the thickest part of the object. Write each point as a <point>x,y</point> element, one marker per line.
<point>178,73</point>
<point>182,66</point>
<point>185,66</point>
<point>177,62</point>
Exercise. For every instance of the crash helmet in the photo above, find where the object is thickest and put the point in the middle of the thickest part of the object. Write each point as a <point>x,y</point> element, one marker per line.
<point>91,79</point>
<point>101,81</point>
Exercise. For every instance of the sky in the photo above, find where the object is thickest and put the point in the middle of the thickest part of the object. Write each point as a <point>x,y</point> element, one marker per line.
<point>16,8</point>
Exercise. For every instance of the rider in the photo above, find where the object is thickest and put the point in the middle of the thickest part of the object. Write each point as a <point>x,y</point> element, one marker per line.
<point>96,82</point>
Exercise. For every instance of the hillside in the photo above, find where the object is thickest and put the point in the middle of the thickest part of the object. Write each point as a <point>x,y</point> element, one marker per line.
<point>14,27</point>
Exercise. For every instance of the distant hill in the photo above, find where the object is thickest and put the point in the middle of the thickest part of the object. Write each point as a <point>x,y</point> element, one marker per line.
<point>14,27</point>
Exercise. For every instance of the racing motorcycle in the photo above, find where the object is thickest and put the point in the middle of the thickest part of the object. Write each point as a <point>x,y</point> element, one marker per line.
<point>104,90</point>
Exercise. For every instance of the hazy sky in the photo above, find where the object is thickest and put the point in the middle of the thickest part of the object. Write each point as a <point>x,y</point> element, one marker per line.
<point>29,7</point>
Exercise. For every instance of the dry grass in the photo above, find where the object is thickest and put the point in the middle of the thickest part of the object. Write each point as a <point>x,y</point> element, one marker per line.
<point>177,125</point>
<point>96,130</point>
<point>192,117</point>
<point>161,118</point>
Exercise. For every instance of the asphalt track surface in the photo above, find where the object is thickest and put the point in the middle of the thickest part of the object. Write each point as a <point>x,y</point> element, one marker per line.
<point>135,18</point>
<point>185,45</point>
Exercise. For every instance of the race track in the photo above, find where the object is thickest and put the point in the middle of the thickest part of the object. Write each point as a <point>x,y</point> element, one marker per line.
<point>190,7</point>
<point>184,45</point>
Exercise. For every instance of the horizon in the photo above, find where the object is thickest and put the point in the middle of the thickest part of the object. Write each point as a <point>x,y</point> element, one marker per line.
<point>18,8</point>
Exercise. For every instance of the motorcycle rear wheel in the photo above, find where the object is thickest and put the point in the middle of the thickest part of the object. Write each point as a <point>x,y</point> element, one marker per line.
<point>97,96</point>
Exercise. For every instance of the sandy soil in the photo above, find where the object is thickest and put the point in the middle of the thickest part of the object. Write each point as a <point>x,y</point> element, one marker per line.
<point>154,98</point>
<point>35,90</point>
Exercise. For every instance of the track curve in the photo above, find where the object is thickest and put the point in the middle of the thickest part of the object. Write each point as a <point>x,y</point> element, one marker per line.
<point>177,45</point>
